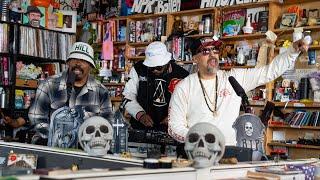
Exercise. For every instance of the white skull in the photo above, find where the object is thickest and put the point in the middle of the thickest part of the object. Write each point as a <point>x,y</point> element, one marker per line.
<point>95,136</point>
<point>248,128</point>
<point>204,144</point>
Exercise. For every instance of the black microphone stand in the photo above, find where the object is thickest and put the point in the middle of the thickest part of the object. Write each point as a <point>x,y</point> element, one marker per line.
<point>70,83</point>
<point>245,103</point>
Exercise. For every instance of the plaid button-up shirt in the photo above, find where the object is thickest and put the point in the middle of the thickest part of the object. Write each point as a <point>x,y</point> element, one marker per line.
<point>52,95</point>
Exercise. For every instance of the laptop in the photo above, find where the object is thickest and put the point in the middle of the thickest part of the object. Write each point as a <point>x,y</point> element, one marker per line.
<point>241,153</point>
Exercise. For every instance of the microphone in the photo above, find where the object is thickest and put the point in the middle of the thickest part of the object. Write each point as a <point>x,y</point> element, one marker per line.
<point>236,86</point>
<point>70,82</point>
<point>71,79</point>
<point>240,92</point>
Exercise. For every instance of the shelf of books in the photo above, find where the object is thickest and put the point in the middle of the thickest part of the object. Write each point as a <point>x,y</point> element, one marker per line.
<point>244,36</point>
<point>4,34</point>
<point>293,126</point>
<point>311,47</point>
<point>142,30</point>
<point>36,54</point>
<point>301,118</point>
<point>200,35</point>
<point>5,66</point>
<point>297,104</point>
<point>290,30</point>
<point>44,43</point>
<point>139,17</point>
<point>301,146</point>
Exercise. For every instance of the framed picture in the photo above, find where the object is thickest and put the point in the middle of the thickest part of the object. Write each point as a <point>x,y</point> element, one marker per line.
<point>68,19</point>
<point>35,16</point>
<point>313,13</point>
<point>288,20</point>
<point>52,21</point>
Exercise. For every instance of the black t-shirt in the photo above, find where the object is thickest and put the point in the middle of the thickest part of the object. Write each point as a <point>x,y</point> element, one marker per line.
<point>77,90</point>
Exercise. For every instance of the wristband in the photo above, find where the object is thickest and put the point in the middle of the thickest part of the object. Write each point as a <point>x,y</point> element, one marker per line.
<point>139,115</point>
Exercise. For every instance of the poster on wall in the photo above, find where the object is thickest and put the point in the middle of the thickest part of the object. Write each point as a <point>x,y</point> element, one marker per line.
<point>34,16</point>
<point>157,7</point>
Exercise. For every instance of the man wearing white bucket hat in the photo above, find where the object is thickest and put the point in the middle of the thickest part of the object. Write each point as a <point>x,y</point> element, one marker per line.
<point>75,87</point>
<point>148,91</point>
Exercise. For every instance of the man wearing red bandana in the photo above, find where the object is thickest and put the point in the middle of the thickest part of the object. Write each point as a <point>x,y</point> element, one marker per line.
<point>207,96</point>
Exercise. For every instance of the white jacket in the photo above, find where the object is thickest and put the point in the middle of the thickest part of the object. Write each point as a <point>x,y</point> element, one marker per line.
<point>188,107</point>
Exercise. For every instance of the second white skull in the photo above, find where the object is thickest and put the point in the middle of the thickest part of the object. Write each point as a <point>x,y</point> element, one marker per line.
<point>95,136</point>
<point>248,128</point>
<point>204,144</point>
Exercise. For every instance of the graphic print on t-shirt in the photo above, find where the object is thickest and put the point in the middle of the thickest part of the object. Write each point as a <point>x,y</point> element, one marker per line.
<point>159,98</point>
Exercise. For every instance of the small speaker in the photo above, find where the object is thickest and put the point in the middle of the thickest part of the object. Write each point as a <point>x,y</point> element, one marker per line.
<point>304,88</point>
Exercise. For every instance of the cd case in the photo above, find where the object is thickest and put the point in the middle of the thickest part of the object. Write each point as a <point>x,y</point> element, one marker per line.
<point>278,170</point>
<point>22,160</point>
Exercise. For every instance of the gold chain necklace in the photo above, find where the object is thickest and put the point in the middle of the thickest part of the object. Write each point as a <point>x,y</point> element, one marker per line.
<point>205,95</point>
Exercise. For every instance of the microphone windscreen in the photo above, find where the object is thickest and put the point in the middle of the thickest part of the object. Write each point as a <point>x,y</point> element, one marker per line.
<point>71,78</point>
<point>236,86</point>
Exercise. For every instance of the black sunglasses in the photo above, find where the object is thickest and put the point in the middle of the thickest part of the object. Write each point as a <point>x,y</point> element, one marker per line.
<point>206,51</point>
<point>158,68</point>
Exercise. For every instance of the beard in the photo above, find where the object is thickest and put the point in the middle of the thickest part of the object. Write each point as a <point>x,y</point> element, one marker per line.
<point>212,66</point>
<point>212,70</point>
<point>78,72</point>
<point>35,23</point>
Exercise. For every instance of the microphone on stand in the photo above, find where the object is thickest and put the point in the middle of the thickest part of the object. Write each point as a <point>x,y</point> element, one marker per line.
<point>240,92</point>
<point>70,83</point>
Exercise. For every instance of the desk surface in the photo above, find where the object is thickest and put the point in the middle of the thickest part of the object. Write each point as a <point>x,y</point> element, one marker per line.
<point>188,173</point>
<point>219,171</point>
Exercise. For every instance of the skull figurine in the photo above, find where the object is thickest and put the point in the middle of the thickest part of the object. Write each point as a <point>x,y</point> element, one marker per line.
<point>204,144</point>
<point>248,128</point>
<point>95,136</point>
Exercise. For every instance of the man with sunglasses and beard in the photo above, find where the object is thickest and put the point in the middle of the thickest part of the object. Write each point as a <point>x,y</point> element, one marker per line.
<point>148,91</point>
<point>207,96</point>
<point>74,87</point>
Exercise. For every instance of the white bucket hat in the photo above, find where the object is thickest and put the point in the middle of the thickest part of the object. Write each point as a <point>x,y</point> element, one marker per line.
<point>81,50</point>
<point>156,54</point>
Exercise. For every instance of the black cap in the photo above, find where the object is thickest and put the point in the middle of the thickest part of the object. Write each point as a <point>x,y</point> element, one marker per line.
<point>195,45</point>
<point>33,9</point>
<point>192,45</point>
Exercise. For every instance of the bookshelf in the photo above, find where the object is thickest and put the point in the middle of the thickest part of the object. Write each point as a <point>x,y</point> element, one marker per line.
<point>298,104</point>
<point>134,47</point>
<point>244,37</point>
<point>305,126</point>
<point>294,132</point>
<point>295,146</point>
<point>275,10</point>
<point>5,68</point>
<point>43,48</point>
